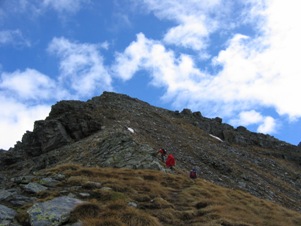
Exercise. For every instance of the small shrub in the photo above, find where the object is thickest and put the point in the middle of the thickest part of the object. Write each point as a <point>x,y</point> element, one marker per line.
<point>117,205</point>
<point>84,211</point>
<point>23,218</point>
<point>187,215</point>
<point>76,180</point>
<point>91,185</point>
<point>117,196</point>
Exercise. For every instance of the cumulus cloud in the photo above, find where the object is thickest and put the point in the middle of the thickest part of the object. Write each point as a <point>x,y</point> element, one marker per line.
<point>194,20</point>
<point>28,84</point>
<point>82,70</point>
<point>266,124</point>
<point>178,75</point>
<point>265,69</point>
<point>248,118</point>
<point>17,118</point>
<point>166,69</point>
<point>190,34</point>
<point>24,96</point>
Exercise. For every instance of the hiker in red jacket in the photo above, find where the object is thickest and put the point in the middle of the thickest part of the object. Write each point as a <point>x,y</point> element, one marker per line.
<point>170,161</point>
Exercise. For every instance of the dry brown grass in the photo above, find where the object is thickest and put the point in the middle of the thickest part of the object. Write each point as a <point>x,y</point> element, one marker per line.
<point>165,199</point>
<point>85,211</point>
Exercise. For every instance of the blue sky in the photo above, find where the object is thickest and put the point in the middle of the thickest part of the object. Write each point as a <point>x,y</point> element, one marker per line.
<point>233,59</point>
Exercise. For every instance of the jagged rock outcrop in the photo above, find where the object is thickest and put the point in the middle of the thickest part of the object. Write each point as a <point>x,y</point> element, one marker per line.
<point>114,130</point>
<point>67,122</point>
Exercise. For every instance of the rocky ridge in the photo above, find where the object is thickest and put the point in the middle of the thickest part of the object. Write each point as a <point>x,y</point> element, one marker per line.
<point>115,130</point>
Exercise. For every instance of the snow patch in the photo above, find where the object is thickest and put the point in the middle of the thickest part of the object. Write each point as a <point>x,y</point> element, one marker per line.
<point>131,130</point>
<point>216,138</point>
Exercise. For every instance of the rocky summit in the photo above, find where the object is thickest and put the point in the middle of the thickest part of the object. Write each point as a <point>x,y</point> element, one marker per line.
<point>117,131</point>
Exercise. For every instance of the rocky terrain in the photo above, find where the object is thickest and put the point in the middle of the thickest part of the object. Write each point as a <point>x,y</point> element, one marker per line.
<point>115,130</point>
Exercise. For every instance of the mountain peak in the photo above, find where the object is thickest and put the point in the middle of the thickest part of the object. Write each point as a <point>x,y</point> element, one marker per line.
<point>116,130</point>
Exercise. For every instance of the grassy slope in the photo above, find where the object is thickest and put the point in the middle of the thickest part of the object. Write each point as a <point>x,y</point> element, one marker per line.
<point>162,199</point>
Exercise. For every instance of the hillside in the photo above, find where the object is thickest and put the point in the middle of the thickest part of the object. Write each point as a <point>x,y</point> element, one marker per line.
<point>241,173</point>
<point>112,196</point>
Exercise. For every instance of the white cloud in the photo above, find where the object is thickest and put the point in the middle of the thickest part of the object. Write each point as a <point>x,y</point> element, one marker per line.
<point>128,62</point>
<point>28,84</point>
<point>17,118</point>
<point>105,45</point>
<point>166,70</point>
<point>22,96</point>
<point>247,118</point>
<point>195,20</point>
<point>190,34</point>
<point>178,75</point>
<point>81,67</point>
<point>269,126</point>
<point>264,70</point>
<point>13,37</point>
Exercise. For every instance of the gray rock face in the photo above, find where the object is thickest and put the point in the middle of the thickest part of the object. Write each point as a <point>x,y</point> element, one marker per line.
<point>123,152</point>
<point>53,212</point>
<point>6,215</point>
<point>4,194</point>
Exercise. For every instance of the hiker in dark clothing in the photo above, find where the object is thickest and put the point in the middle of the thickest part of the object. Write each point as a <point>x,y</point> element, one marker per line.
<point>193,174</point>
<point>163,153</point>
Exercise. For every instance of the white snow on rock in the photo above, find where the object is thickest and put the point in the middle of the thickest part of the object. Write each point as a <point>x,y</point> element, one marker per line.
<point>131,130</point>
<point>216,138</point>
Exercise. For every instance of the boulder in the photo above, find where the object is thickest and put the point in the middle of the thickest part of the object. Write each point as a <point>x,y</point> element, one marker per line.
<point>53,212</point>
<point>34,187</point>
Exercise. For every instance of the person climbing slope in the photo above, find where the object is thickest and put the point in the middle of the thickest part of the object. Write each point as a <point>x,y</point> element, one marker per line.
<point>170,161</point>
<point>193,174</point>
<point>163,153</point>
